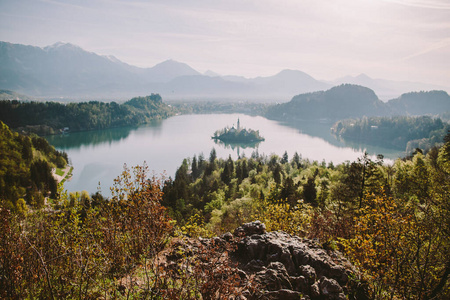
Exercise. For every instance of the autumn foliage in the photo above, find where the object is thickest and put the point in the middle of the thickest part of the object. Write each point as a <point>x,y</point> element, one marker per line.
<point>391,221</point>
<point>80,251</point>
<point>109,249</point>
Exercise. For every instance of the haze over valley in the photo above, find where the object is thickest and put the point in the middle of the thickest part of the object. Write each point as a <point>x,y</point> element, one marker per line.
<point>66,71</point>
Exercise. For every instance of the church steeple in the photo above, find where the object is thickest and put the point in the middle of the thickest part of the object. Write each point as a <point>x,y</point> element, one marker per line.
<point>238,125</point>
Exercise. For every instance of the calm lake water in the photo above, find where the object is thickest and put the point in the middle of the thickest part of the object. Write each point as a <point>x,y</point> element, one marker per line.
<point>99,156</point>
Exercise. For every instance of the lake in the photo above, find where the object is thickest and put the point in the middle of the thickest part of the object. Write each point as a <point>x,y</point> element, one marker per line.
<point>98,156</point>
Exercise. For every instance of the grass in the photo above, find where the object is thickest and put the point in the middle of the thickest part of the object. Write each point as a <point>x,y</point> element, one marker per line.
<point>59,172</point>
<point>69,174</point>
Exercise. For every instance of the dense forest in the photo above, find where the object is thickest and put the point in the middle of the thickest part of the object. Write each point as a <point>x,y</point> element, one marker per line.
<point>354,101</point>
<point>420,103</point>
<point>391,221</point>
<point>406,133</point>
<point>340,102</point>
<point>46,118</point>
<point>25,169</point>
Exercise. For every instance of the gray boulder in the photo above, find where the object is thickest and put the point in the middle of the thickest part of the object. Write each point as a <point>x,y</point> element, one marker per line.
<point>282,262</point>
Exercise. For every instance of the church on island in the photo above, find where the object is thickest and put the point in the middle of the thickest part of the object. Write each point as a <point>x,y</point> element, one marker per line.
<point>237,135</point>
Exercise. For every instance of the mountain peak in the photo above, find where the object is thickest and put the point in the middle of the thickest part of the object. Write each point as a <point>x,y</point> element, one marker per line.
<point>363,76</point>
<point>170,69</point>
<point>62,45</point>
<point>58,44</point>
<point>171,63</point>
<point>289,73</point>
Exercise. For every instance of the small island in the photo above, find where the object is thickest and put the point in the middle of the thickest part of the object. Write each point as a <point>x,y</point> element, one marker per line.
<point>237,135</point>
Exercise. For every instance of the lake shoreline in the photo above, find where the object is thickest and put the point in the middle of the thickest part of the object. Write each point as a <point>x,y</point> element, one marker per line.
<point>99,156</point>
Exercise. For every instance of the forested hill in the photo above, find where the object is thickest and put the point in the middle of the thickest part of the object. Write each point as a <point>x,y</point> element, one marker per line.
<point>25,169</point>
<point>339,102</point>
<point>419,103</point>
<point>52,117</point>
<point>401,132</point>
<point>353,101</point>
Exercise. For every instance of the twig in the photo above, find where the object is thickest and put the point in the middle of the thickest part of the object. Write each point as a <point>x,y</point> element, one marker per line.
<point>43,265</point>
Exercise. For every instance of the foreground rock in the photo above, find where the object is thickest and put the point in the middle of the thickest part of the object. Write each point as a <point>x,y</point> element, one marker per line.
<point>286,267</point>
<point>289,267</point>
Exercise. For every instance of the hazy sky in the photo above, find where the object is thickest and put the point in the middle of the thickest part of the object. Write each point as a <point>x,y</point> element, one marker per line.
<point>392,39</point>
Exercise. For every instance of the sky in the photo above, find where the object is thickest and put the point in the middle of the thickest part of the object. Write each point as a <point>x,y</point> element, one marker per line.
<point>404,40</point>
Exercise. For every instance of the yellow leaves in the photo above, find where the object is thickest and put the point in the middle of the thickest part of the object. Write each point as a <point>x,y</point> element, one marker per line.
<point>279,215</point>
<point>195,228</point>
<point>395,247</point>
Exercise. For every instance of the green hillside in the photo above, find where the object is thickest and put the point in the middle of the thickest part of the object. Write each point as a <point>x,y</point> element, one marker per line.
<point>339,102</point>
<point>353,101</point>
<point>25,169</point>
<point>406,133</point>
<point>46,118</point>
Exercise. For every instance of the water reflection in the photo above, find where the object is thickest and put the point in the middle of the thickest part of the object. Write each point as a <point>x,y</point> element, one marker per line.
<point>109,136</point>
<point>389,152</point>
<point>237,146</point>
<point>315,129</point>
<point>78,139</point>
<point>98,156</point>
<point>323,131</point>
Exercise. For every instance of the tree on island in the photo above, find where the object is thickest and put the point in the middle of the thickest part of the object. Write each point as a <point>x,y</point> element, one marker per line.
<point>238,134</point>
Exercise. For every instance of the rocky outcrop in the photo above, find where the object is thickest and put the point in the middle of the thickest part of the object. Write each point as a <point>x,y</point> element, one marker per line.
<point>288,267</point>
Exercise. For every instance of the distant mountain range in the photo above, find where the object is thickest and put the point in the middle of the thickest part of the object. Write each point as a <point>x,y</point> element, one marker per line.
<point>355,101</point>
<point>388,89</point>
<point>64,70</point>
